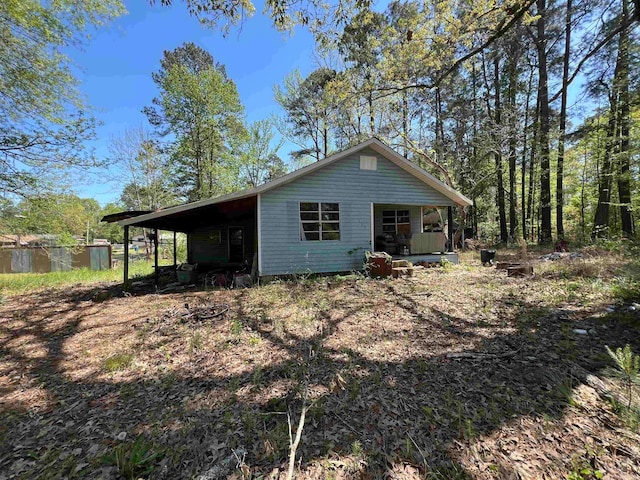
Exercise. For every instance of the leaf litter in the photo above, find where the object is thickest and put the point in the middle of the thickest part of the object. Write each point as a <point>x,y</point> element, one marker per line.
<point>454,373</point>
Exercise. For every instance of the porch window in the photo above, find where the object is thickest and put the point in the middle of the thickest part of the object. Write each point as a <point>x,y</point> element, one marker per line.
<point>319,221</point>
<point>396,221</point>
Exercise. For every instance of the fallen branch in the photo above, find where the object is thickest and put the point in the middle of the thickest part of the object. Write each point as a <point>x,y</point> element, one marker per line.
<point>481,356</point>
<point>294,443</point>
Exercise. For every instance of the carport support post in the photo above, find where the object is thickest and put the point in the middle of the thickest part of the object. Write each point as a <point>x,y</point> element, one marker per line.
<point>125,283</point>
<point>450,227</point>
<point>175,252</point>
<point>155,255</point>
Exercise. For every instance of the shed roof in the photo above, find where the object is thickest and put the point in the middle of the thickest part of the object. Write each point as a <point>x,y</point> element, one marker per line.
<point>372,143</point>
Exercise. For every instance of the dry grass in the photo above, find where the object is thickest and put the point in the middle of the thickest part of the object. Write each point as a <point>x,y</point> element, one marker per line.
<point>80,380</point>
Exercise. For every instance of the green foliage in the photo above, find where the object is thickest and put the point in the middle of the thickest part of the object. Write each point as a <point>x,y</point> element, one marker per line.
<point>17,283</point>
<point>146,170</point>
<point>628,367</point>
<point>200,106</point>
<point>626,288</point>
<point>134,460</point>
<point>236,327</point>
<point>42,120</point>
<point>195,342</point>
<point>446,265</point>
<point>257,155</point>
<point>307,120</point>
<point>119,361</point>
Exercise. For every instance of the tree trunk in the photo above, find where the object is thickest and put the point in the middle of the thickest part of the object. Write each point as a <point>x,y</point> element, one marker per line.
<point>601,220</point>
<point>563,124</point>
<point>504,235</point>
<point>513,86</point>
<point>624,174</point>
<point>617,145</point>
<point>532,170</point>
<point>439,130</point>
<point>524,158</point>
<point>543,137</point>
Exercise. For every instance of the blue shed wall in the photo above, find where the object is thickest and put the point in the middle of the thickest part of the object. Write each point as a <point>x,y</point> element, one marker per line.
<point>343,182</point>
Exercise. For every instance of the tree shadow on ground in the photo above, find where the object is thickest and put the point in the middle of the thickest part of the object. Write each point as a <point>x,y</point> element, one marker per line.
<point>376,414</point>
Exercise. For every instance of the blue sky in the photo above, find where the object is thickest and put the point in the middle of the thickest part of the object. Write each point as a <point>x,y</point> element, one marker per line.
<point>116,66</point>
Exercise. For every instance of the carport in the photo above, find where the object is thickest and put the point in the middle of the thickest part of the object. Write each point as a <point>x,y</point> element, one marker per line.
<point>221,232</point>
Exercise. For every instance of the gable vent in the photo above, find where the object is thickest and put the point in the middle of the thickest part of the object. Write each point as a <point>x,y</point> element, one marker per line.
<point>368,162</point>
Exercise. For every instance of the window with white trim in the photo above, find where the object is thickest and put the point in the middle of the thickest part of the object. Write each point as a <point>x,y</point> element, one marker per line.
<point>319,221</point>
<point>396,221</point>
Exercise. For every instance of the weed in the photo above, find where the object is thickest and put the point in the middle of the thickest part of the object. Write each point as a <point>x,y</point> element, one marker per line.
<point>276,441</point>
<point>564,391</point>
<point>249,422</point>
<point>133,460</point>
<point>234,384</point>
<point>453,471</point>
<point>119,361</point>
<point>236,327</point>
<point>16,283</point>
<point>628,367</point>
<point>255,340</point>
<point>356,448</point>
<point>166,353</point>
<point>279,329</point>
<point>354,389</point>
<point>126,391</point>
<point>195,342</point>
<point>446,265</point>
<point>376,377</point>
<point>582,469</point>
<point>257,375</point>
<point>630,416</point>
<point>625,288</point>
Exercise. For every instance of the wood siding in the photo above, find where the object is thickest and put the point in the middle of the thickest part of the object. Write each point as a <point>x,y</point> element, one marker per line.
<point>354,189</point>
<point>202,250</point>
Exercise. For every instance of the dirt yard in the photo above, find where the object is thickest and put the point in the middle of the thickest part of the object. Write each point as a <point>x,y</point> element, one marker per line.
<point>458,372</point>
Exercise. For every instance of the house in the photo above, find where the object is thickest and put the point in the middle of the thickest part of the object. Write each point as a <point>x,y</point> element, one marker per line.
<point>319,219</point>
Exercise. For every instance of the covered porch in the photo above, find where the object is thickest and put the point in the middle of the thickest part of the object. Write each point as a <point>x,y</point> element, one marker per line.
<point>401,231</point>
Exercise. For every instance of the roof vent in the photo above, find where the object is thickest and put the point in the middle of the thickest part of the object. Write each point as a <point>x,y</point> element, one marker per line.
<point>368,162</point>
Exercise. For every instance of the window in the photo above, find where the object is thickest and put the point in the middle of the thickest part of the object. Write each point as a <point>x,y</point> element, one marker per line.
<point>319,221</point>
<point>396,221</point>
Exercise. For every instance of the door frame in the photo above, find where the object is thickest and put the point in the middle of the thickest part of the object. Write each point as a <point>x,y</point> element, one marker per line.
<point>229,242</point>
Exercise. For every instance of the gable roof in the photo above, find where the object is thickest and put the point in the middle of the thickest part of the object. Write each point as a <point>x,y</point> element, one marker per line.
<point>372,143</point>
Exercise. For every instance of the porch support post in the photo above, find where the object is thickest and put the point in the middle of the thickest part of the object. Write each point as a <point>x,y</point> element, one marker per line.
<point>155,254</point>
<point>125,283</point>
<point>175,252</point>
<point>450,226</point>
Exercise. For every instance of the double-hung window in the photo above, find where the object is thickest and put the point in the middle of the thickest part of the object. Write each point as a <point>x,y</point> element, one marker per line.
<point>319,221</point>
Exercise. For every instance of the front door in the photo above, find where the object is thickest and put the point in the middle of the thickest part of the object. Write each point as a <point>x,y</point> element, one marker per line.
<point>236,244</point>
